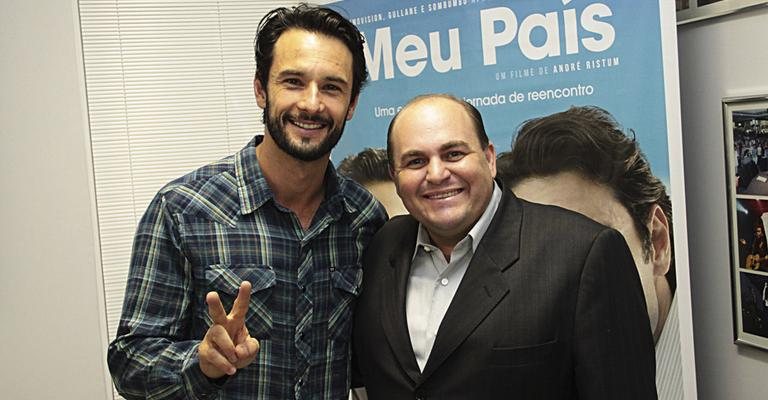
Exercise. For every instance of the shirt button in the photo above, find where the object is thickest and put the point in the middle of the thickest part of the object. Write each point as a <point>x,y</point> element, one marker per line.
<point>444,281</point>
<point>427,249</point>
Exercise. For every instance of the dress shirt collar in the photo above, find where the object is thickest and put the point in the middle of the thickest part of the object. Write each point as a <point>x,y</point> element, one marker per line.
<point>254,191</point>
<point>474,235</point>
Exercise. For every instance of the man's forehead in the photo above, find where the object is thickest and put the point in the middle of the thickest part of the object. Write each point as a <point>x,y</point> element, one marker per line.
<point>295,44</point>
<point>446,146</point>
<point>411,119</point>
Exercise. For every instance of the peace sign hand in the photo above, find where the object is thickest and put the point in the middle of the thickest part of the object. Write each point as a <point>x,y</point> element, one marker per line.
<point>227,345</point>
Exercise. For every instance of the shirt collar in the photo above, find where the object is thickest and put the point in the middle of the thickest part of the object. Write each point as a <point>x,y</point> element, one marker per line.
<point>475,234</point>
<point>254,190</point>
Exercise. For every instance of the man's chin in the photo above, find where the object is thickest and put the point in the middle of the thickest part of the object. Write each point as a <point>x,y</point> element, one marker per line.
<point>306,153</point>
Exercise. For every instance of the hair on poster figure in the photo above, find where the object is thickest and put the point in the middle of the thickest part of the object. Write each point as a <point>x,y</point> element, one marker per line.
<point>370,168</point>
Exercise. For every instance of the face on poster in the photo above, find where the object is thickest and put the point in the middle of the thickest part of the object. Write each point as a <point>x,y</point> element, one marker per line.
<point>513,61</point>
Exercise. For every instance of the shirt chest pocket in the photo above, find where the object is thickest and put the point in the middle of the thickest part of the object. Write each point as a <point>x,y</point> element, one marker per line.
<point>225,279</point>
<point>345,284</point>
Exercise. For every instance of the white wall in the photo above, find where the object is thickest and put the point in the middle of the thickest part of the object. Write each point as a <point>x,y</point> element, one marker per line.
<point>50,307</point>
<point>719,58</point>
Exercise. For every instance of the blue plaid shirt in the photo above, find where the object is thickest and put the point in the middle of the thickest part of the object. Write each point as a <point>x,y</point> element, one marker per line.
<point>214,228</point>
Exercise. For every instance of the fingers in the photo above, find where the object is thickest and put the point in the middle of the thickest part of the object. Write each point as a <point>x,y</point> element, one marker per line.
<point>227,346</point>
<point>247,349</point>
<point>216,309</point>
<point>246,352</point>
<point>220,339</point>
<point>240,308</point>
<point>217,353</point>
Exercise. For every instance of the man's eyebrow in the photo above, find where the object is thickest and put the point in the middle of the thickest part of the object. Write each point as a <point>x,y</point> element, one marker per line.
<point>289,72</point>
<point>444,147</point>
<point>453,144</point>
<point>293,72</point>
<point>411,153</point>
<point>337,79</point>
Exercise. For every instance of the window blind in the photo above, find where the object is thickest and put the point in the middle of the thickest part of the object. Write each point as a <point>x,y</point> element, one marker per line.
<point>169,88</point>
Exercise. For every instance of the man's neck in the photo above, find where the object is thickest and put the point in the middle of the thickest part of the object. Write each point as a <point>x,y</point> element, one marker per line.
<point>297,185</point>
<point>446,243</point>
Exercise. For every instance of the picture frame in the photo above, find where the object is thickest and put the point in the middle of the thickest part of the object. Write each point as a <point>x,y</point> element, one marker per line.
<point>697,10</point>
<point>745,127</point>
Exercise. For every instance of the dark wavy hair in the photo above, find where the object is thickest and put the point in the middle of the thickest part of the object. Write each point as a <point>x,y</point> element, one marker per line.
<point>368,166</point>
<point>590,141</point>
<point>312,19</point>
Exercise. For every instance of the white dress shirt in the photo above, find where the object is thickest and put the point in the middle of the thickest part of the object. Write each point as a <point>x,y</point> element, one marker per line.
<point>433,281</point>
<point>669,367</point>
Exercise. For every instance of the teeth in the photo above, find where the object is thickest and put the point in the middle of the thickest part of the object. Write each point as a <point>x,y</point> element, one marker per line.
<point>305,125</point>
<point>444,195</point>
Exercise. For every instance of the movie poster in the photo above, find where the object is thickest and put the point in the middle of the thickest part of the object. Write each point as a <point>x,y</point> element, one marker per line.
<point>516,60</point>
<point>513,60</point>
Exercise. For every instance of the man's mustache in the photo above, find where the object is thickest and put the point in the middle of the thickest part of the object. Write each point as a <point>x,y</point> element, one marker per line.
<point>305,116</point>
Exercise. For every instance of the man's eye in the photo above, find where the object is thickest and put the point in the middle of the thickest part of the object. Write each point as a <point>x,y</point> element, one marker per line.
<point>292,82</point>
<point>332,88</point>
<point>454,155</point>
<point>414,163</point>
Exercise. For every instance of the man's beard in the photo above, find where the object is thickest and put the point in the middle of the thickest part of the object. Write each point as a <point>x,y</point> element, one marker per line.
<point>275,127</point>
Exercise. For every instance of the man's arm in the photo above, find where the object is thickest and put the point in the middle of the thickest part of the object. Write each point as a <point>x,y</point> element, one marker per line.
<point>614,354</point>
<point>154,354</point>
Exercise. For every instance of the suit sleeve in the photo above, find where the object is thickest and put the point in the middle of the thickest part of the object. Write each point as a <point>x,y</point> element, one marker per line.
<point>613,344</point>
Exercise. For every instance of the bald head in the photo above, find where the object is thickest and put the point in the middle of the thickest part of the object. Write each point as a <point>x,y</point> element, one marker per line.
<point>472,113</point>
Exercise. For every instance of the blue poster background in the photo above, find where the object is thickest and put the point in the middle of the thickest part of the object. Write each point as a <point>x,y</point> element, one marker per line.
<point>549,55</point>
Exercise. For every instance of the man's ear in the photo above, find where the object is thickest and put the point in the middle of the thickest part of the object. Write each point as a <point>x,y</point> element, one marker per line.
<point>352,106</point>
<point>661,246</point>
<point>490,156</point>
<point>260,92</point>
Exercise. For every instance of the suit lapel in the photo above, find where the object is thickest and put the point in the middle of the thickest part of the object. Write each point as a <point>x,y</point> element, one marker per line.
<point>483,286</point>
<point>393,313</point>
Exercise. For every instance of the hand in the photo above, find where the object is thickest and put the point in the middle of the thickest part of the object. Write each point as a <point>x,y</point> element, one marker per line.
<point>227,346</point>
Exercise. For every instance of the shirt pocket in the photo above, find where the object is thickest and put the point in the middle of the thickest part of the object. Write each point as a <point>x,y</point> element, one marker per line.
<point>225,279</point>
<point>346,281</point>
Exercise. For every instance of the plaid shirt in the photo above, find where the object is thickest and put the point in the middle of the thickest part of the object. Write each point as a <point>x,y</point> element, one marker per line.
<point>214,228</point>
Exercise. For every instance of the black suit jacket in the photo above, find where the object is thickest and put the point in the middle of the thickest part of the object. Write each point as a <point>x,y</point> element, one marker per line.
<point>551,307</point>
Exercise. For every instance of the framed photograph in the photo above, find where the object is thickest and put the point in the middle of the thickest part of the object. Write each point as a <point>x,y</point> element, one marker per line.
<point>697,10</point>
<point>745,126</point>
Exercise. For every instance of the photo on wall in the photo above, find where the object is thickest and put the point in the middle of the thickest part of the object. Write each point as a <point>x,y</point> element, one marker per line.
<point>751,220</point>
<point>750,150</point>
<point>754,304</point>
<point>745,128</point>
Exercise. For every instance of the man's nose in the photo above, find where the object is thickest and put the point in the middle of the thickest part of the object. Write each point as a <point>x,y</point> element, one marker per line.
<point>311,100</point>
<point>437,171</point>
